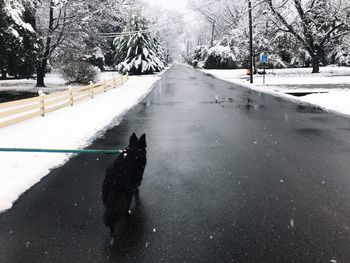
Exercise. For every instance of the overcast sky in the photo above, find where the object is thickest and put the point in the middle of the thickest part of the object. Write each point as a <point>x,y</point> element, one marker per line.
<point>178,5</point>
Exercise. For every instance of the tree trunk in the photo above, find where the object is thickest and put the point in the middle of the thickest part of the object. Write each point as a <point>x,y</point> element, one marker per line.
<point>40,75</point>
<point>43,62</point>
<point>40,71</point>
<point>315,63</point>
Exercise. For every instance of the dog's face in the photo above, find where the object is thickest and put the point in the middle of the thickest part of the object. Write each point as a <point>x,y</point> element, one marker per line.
<point>136,151</point>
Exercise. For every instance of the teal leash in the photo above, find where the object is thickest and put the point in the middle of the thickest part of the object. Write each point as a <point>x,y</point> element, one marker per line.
<point>31,150</point>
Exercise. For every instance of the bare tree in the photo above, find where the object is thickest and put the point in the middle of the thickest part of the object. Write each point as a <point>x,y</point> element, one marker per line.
<point>187,51</point>
<point>68,24</point>
<point>313,23</point>
<point>55,21</point>
<point>222,15</point>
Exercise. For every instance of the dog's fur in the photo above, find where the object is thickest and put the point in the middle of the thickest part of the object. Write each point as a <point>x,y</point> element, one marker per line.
<point>123,178</point>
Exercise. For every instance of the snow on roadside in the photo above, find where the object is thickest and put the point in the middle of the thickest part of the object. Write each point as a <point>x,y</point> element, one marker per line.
<point>334,81</point>
<point>336,101</point>
<point>302,76</point>
<point>289,78</point>
<point>71,127</point>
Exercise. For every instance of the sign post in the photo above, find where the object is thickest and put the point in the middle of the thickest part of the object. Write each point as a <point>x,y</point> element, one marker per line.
<point>264,58</point>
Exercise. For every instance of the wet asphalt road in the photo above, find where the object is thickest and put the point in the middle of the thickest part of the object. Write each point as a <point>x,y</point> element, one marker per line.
<point>253,179</point>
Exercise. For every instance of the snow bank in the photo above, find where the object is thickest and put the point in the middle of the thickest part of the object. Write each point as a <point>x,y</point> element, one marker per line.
<point>337,101</point>
<point>333,81</point>
<point>71,127</point>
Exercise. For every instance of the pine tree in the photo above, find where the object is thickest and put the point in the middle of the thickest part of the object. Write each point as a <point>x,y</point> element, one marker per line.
<point>139,52</point>
<point>18,50</point>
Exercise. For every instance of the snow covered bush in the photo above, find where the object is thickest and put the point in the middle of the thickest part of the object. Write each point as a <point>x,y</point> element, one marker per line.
<point>138,53</point>
<point>200,53</point>
<point>301,59</point>
<point>199,56</point>
<point>220,57</point>
<point>275,61</point>
<point>79,72</point>
<point>343,59</point>
<point>195,63</point>
<point>96,58</point>
<point>340,54</point>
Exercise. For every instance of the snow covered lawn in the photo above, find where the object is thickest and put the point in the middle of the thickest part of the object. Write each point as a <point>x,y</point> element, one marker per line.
<point>53,81</point>
<point>70,128</point>
<point>333,82</point>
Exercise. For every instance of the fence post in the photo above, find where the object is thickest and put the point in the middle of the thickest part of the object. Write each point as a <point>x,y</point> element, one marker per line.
<point>91,89</point>
<point>42,102</point>
<point>71,96</point>
<point>114,82</point>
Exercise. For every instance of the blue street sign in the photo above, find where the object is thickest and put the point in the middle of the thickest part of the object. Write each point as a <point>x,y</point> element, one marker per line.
<point>264,58</point>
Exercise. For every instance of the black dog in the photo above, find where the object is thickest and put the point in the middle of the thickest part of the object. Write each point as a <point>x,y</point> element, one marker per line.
<point>123,177</point>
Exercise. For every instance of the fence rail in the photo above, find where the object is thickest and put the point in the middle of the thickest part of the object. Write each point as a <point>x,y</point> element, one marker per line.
<point>16,111</point>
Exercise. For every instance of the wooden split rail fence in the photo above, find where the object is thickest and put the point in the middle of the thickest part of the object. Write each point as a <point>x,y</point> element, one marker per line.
<point>16,111</point>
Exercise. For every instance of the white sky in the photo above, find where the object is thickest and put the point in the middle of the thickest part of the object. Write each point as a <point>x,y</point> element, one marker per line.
<point>178,5</point>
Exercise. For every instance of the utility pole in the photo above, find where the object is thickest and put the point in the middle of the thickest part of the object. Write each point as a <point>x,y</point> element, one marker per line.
<point>251,57</point>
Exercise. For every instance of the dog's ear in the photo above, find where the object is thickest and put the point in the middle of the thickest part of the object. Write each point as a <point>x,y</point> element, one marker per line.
<point>133,140</point>
<point>142,141</point>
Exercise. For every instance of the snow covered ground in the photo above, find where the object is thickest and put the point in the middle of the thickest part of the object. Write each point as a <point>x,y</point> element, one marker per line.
<point>53,81</point>
<point>69,128</point>
<point>331,87</point>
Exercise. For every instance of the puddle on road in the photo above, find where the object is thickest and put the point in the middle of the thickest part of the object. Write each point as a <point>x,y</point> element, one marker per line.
<point>228,100</point>
<point>309,131</point>
<point>251,107</point>
<point>241,104</point>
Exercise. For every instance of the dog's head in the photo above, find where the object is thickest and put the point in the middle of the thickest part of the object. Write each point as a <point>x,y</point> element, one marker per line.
<point>136,151</point>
